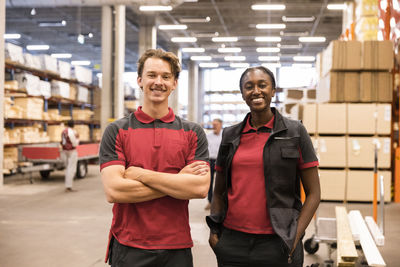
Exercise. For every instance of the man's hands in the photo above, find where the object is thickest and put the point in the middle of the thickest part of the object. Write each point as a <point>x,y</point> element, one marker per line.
<point>196,168</point>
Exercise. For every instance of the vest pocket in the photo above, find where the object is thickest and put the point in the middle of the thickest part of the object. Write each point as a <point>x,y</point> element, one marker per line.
<point>290,152</point>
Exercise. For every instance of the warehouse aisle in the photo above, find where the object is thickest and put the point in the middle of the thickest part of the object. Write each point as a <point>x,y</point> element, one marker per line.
<point>41,225</point>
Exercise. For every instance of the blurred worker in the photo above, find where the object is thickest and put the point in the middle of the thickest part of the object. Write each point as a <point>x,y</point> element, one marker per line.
<point>69,142</point>
<point>214,140</point>
<point>152,162</point>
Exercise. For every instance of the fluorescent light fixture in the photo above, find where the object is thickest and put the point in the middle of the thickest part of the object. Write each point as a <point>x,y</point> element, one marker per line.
<point>294,34</point>
<point>208,65</point>
<point>195,20</point>
<point>268,58</point>
<point>235,58</point>
<point>38,47</point>
<point>336,6</point>
<point>268,7</point>
<point>190,1</point>
<point>319,39</point>
<point>61,55</point>
<point>12,36</point>
<point>268,49</point>
<point>206,34</point>
<point>268,39</point>
<point>304,58</point>
<point>80,62</point>
<point>183,39</point>
<point>200,58</point>
<point>301,65</point>
<point>61,23</point>
<point>298,19</point>
<point>193,50</point>
<point>271,65</point>
<point>229,50</point>
<point>239,65</point>
<point>155,8</point>
<point>298,46</point>
<point>271,26</point>
<point>172,27</point>
<point>224,39</point>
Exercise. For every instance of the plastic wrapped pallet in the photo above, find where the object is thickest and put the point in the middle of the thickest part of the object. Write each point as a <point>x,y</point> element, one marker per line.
<point>83,74</point>
<point>96,134</point>
<point>54,132</point>
<point>49,63</point>
<point>32,61</point>
<point>82,94</point>
<point>79,114</point>
<point>32,106</point>
<point>11,85</point>
<point>29,83</point>
<point>45,89</point>
<point>64,68</point>
<point>12,136</point>
<point>72,92</point>
<point>60,89</point>
<point>29,135</point>
<point>14,53</point>
<point>83,131</point>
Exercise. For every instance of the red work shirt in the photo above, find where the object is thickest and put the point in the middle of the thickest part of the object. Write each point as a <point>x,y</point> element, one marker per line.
<point>247,208</point>
<point>164,145</point>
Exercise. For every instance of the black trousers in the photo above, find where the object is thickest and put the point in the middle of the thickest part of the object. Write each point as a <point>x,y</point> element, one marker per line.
<point>236,249</point>
<point>210,191</point>
<point>124,256</point>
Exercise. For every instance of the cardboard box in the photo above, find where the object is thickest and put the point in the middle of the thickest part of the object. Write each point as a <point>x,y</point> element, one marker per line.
<point>54,132</point>
<point>361,151</point>
<point>377,55</point>
<point>332,151</point>
<point>72,91</point>
<point>11,85</point>
<point>11,136</point>
<point>384,145</point>
<point>366,8</point>
<point>341,55</point>
<point>361,118</point>
<point>29,83</point>
<point>96,134</point>
<point>83,131</point>
<point>14,53</point>
<point>332,184</point>
<point>83,74</point>
<point>384,118</point>
<point>32,107</point>
<point>79,114</point>
<point>11,153</point>
<point>60,89</point>
<point>376,87</point>
<point>360,185</point>
<point>309,117</point>
<point>82,94</point>
<point>49,63</point>
<point>339,87</point>
<point>332,118</point>
<point>64,68</point>
<point>45,89</point>
<point>32,61</point>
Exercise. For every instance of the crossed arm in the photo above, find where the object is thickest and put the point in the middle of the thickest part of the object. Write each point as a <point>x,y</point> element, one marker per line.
<point>136,184</point>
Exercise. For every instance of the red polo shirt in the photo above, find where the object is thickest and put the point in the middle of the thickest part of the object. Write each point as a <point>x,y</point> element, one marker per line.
<point>165,145</point>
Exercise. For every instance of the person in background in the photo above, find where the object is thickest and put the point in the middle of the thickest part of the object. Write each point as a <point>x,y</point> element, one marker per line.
<point>69,142</point>
<point>152,162</point>
<point>257,218</point>
<point>214,140</point>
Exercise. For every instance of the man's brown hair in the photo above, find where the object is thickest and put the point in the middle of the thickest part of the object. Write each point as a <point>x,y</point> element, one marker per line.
<point>171,58</point>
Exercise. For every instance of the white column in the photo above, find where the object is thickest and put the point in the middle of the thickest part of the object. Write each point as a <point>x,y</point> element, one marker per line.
<point>173,99</point>
<point>113,62</point>
<point>193,91</point>
<point>147,33</point>
<point>2,31</point>
<point>200,96</point>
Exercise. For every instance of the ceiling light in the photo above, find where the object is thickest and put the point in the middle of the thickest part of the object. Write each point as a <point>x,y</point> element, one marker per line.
<point>270,26</point>
<point>271,65</point>
<point>61,55</point>
<point>320,39</point>
<point>239,65</point>
<point>81,39</point>
<point>268,49</point>
<point>304,58</point>
<point>268,58</point>
<point>90,35</point>
<point>299,65</point>
<point>229,50</point>
<point>298,46</point>
<point>193,50</point>
<point>206,34</point>
<point>183,39</point>
<point>61,23</point>
<point>12,36</point>
<point>172,27</point>
<point>195,20</point>
<point>336,6</point>
<point>80,62</point>
<point>294,34</point>
<point>208,65</point>
<point>190,1</point>
<point>200,58</point>
<point>235,58</point>
<point>155,8</point>
<point>268,39</point>
<point>298,19</point>
<point>268,7</point>
<point>224,39</point>
<point>37,47</point>
<point>33,12</point>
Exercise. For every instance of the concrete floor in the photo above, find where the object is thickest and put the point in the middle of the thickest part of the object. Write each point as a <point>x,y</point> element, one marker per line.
<point>41,225</point>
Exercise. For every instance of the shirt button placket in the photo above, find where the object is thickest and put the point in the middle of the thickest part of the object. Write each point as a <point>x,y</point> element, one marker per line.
<point>157,135</point>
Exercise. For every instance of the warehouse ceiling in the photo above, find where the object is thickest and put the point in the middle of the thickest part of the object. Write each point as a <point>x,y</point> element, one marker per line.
<point>233,18</point>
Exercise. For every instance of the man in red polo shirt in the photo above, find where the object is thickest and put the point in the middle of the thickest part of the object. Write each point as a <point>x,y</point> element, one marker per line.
<point>152,162</point>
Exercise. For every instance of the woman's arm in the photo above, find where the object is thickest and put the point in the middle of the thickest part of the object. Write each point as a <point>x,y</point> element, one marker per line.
<point>310,181</point>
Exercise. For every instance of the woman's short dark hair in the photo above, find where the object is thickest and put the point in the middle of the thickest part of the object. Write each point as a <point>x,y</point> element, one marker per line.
<point>169,57</point>
<point>262,68</point>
